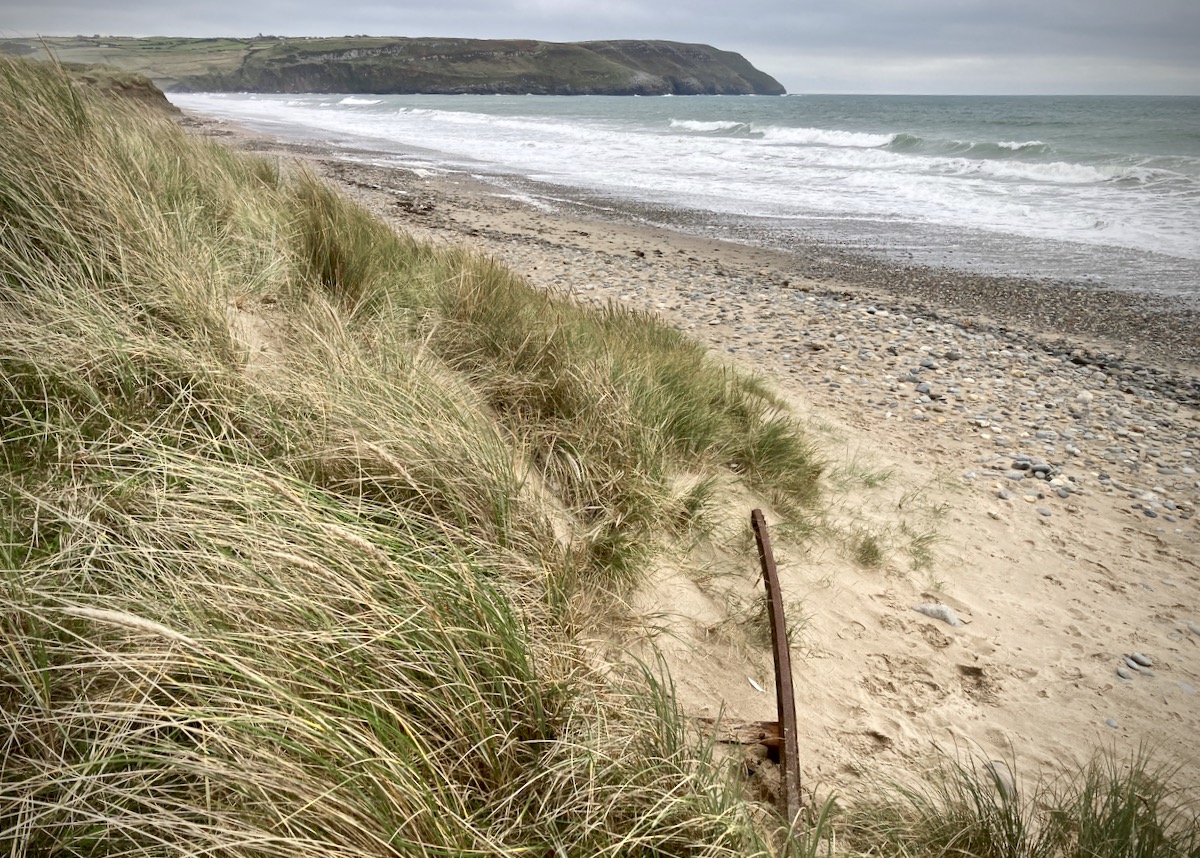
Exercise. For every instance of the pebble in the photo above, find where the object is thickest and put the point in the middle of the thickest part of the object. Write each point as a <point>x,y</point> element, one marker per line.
<point>1187,688</point>
<point>1141,659</point>
<point>1124,673</point>
<point>1111,722</point>
<point>1194,628</point>
<point>939,612</point>
<point>1043,511</point>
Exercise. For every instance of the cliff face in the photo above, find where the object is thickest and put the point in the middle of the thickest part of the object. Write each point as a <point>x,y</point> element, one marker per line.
<point>509,67</point>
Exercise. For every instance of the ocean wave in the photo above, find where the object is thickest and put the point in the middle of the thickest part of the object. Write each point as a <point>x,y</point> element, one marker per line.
<point>1003,149</point>
<point>1027,145</point>
<point>823,137</point>
<point>352,100</point>
<point>1008,149</point>
<point>707,127</point>
<point>1054,172</point>
<point>905,158</point>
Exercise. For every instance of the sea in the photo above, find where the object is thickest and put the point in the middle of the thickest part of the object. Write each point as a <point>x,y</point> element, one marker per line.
<point>1096,190</point>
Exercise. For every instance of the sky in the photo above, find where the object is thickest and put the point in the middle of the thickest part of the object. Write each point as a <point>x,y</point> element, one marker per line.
<point>1031,47</point>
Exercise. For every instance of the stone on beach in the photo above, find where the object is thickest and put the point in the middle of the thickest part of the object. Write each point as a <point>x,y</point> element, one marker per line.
<point>939,612</point>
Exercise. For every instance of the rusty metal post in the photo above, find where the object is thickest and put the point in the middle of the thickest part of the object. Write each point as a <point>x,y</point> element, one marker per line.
<point>785,697</point>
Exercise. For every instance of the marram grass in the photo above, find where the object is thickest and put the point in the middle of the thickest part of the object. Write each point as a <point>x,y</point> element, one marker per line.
<point>312,595</point>
<point>1113,806</point>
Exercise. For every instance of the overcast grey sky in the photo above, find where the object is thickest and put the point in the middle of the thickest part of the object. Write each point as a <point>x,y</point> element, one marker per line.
<point>879,46</point>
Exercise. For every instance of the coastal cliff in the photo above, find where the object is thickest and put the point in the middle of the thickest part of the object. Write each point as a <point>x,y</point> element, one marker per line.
<point>374,65</point>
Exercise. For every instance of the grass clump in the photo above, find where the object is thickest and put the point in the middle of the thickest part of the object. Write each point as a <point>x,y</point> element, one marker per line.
<point>1111,807</point>
<point>866,549</point>
<point>282,564</point>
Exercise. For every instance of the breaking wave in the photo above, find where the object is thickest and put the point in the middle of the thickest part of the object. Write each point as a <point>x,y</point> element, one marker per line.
<point>707,127</point>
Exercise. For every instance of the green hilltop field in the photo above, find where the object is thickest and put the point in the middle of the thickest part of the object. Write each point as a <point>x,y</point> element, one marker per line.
<point>365,64</point>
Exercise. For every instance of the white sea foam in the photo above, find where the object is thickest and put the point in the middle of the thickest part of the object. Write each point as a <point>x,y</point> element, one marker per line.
<point>1017,146</point>
<point>354,100</point>
<point>697,125</point>
<point>823,137</point>
<point>1054,172</point>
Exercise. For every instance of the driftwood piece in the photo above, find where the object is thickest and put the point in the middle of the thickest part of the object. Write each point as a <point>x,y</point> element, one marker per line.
<point>744,732</point>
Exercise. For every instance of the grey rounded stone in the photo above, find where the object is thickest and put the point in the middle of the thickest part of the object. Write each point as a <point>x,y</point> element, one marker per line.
<point>1141,659</point>
<point>1111,722</point>
<point>1124,673</point>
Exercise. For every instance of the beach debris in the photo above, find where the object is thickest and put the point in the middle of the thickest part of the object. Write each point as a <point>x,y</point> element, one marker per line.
<point>939,612</point>
<point>785,695</point>
<point>756,686</point>
<point>765,733</point>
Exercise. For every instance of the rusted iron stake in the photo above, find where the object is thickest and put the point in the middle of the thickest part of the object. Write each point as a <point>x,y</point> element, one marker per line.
<point>785,697</point>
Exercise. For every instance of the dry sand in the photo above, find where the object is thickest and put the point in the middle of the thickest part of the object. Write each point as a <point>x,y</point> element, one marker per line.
<point>937,406</point>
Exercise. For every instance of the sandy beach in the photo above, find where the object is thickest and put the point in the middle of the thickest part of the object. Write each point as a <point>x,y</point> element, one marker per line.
<point>1021,453</point>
